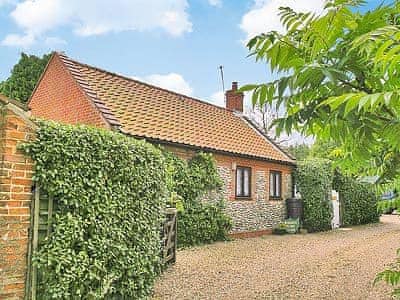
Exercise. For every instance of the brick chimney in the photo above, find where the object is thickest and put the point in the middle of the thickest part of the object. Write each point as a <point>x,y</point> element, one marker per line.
<point>234,100</point>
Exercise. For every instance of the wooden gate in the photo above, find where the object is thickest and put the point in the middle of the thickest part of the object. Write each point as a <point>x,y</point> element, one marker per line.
<point>169,236</point>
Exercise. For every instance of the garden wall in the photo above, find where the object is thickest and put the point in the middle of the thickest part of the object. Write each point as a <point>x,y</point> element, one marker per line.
<point>15,199</point>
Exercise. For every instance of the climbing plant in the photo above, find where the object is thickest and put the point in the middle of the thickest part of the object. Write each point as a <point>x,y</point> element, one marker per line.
<point>358,200</point>
<point>199,222</point>
<point>110,192</point>
<point>314,180</point>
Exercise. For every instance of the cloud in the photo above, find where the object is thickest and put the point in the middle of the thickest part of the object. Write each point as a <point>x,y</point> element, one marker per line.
<point>217,3</point>
<point>263,17</point>
<point>5,2</point>
<point>16,40</point>
<point>94,17</point>
<point>171,81</point>
<point>53,41</point>
<point>218,99</point>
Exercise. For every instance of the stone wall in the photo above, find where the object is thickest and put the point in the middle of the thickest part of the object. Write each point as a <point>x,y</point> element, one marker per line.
<point>15,200</point>
<point>259,213</point>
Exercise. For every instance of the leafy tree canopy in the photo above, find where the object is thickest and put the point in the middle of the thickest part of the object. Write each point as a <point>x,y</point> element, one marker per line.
<point>24,76</point>
<point>299,151</point>
<point>338,79</point>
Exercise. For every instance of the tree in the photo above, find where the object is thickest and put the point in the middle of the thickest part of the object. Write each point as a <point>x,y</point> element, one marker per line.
<point>324,149</point>
<point>264,116</point>
<point>24,76</point>
<point>299,151</point>
<point>338,79</point>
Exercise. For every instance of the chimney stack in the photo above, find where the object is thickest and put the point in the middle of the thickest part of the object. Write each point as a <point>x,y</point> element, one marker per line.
<point>234,100</point>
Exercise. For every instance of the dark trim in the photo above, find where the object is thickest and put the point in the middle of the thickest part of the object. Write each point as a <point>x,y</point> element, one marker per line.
<point>275,172</point>
<point>243,197</point>
<point>207,149</point>
<point>269,139</point>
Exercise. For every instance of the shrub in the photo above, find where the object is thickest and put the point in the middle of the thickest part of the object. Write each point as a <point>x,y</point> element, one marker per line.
<point>358,200</point>
<point>314,180</point>
<point>198,222</point>
<point>202,223</point>
<point>110,191</point>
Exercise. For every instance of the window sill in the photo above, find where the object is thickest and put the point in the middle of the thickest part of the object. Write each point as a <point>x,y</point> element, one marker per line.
<point>243,199</point>
<point>275,198</point>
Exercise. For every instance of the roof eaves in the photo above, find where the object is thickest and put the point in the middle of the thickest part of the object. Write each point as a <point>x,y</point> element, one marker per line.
<point>208,149</point>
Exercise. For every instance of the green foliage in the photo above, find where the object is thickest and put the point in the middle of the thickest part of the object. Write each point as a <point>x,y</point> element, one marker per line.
<point>299,151</point>
<point>199,222</point>
<point>202,223</point>
<point>358,200</point>
<point>110,192</point>
<point>324,149</point>
<point>392,277</point>
<point>338,79</point>
<point>314,180</point>
<point>24,77</point>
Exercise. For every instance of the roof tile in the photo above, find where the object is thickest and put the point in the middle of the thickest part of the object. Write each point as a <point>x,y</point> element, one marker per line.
<point>147,111</point>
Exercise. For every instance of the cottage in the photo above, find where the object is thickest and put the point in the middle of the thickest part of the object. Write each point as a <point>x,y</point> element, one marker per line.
<point>256,172</point>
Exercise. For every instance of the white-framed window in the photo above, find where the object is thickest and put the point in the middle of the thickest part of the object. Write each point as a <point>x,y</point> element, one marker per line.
<point>275,184</point>
<point>243,182</point>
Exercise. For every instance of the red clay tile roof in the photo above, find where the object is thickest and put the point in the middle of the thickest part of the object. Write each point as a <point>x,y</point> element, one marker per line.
<point>143,110</point>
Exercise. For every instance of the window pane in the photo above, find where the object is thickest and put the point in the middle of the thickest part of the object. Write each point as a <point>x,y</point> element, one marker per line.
<point>277,184</point>
<point>239,182</point>
<point>271,184</point>
<point>246,174</point>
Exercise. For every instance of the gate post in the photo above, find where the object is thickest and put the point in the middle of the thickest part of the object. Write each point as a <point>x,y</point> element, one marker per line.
<point>15,198</point>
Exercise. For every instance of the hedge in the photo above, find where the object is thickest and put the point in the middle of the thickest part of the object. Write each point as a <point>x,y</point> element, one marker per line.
<point>314,181</point>
<point>111,191</point>
<point>198,222</point>
<point>358,200</point>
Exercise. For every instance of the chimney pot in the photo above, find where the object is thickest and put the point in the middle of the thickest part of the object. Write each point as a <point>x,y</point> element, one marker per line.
<point>234,86</point>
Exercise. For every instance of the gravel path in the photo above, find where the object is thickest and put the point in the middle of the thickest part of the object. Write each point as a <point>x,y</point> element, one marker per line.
<point>333,265</point>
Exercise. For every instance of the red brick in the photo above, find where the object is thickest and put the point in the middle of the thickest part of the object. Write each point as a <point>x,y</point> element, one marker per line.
<point>58,97</point>
<point>17,173</point>
<point>17,189</point>
<point>22,196</point>
<point>14,134</point>
<point>19,211</point>
<point>18,158</point>
<point>21,181</point>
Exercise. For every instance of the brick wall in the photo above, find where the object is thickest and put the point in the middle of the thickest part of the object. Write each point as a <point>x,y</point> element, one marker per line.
<point>58,97</point>
<point>260,213</point>
<point>15,200</point>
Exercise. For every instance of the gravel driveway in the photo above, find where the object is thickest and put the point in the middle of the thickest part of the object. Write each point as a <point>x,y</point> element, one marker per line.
<point>333,265</point>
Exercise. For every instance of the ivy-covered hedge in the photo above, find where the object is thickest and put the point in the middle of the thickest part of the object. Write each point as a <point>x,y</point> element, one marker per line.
<point>314,181</point>
<point>358,200</point>
<point>199,222</point>
<point>110,191</point>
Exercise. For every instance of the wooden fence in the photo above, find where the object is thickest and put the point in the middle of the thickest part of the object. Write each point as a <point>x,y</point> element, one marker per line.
<point>42,212</point>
